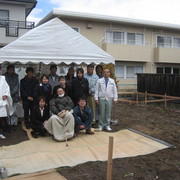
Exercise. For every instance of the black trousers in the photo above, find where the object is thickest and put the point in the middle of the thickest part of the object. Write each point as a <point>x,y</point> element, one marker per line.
<point>27,106</point>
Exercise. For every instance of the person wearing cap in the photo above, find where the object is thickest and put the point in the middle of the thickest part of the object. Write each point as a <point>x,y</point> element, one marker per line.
<point>105,94</point>
<point>6,108</point>
<point>27,90</point>
<point>13,82</point>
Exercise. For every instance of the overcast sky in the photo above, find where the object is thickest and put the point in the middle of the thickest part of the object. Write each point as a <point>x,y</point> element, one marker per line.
<point>154,10</point>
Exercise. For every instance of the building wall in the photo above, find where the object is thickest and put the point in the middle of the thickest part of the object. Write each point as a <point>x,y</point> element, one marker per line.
<point>16,12</point>
<point>148,55</point>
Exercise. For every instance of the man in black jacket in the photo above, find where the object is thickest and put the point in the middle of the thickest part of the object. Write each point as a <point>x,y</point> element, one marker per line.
<point>27,88</point>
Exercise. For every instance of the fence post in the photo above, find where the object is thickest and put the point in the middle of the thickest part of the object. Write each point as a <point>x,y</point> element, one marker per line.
<point>145,97</point>
<point>165,102</point>
<point>110,155</point>
<point>137,97</point>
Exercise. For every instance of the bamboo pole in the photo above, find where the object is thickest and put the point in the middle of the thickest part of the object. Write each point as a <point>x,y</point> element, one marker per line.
<point>110,155</point>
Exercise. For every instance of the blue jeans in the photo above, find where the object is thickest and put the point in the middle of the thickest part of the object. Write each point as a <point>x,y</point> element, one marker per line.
<point>86,123</point>
<point>105,107</point>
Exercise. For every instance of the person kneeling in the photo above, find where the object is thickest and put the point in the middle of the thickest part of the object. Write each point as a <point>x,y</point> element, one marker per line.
<point>83,116</point>
<point>61,123</point>
<point>39,115</point>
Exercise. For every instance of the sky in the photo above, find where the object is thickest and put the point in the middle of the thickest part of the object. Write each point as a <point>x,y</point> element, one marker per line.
<point>165,11</point>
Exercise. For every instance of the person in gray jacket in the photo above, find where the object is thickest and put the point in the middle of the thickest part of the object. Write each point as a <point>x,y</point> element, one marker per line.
<point>92,79</point>
<point>13,82</point>
<point>53,77</point>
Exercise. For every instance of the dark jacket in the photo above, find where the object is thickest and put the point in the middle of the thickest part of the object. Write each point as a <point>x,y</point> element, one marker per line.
<point>42,91</point>
<point>82,118</point>
<point>57,104</point>
<point>37,120</point>
<point>85,116</point>
<point>67,89</point>
<point>80,88</point>
<point>69,79</point>
<point>27,87</point>
<point>13,82</point>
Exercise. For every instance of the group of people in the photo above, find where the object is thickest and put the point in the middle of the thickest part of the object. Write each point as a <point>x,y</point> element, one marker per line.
<point>60,105</point>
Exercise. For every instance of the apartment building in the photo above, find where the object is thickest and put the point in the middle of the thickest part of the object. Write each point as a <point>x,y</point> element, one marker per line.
<point>138,46</point>
<point>13,24</point>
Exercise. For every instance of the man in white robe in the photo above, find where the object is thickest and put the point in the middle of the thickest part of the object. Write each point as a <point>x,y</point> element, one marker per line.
<point>5,104</point>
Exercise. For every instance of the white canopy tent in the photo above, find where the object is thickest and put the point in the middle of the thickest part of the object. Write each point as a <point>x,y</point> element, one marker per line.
<point>54,42</point>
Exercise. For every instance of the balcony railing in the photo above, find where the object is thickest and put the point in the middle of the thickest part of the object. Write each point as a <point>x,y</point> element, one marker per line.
<point>125,42</point>
<point>12,27</point>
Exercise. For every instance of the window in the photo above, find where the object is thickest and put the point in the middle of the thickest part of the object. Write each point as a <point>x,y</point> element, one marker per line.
<point>127,72</point>
<point>159,70</point>
<point>130,38</point>
<point>175,70</point>
<point>133,70</point>
<point>4,15</point>
<point>168,70</point>
<point>164,41</point>
<point>118,37</point>
<point>176,42</point>
<point>134,39</point>
<point>115,37</point>
<point>119,71</point>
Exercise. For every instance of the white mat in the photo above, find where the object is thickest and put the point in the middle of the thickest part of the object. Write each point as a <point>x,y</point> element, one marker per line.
<point>44,153</point>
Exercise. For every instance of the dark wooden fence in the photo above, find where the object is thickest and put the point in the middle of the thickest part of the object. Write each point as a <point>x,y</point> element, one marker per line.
<point>159,84</point>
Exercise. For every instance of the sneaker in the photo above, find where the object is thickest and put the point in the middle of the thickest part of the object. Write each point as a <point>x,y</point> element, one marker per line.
<point>108,128</point>
<point>2,136</point>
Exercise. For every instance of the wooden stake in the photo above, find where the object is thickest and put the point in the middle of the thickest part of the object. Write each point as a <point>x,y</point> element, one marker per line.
<point>165,102</point>
<point>145,97</point>
<point>137,97</point>
<point>110,155</point>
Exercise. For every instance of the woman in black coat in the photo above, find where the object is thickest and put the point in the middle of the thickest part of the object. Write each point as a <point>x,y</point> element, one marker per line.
<point>39,115</point>
<point>43,89</point>
<point>80,86</point>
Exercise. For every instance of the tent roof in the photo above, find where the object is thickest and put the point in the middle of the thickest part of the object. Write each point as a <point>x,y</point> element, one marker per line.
<point>54,42</point>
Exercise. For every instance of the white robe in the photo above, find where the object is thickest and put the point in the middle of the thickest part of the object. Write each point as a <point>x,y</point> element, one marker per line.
<point>5,105</point>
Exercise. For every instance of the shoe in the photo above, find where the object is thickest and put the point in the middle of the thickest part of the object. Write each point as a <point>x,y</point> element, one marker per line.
<point>88,131</point>
<point>14,127</point>
<point>34,135</point>
<point>2,136</point>
<point>108,128</point>
<point>28,126</point>
<point>81,127</point>
<point>98,129</point>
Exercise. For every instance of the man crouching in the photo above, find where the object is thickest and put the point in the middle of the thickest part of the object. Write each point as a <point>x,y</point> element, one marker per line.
<point>82,116</point>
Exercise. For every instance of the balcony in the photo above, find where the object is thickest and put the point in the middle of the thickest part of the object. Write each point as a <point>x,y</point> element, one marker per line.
<point>129,52</point>
<point>12,27</point>
<point>166,55</point>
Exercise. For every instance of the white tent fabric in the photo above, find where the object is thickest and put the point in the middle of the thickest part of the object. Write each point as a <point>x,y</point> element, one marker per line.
<point>54,42</point>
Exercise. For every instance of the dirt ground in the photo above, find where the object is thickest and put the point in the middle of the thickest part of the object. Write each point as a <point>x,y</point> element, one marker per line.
<point>152,120</point>
<point>162,165</point>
